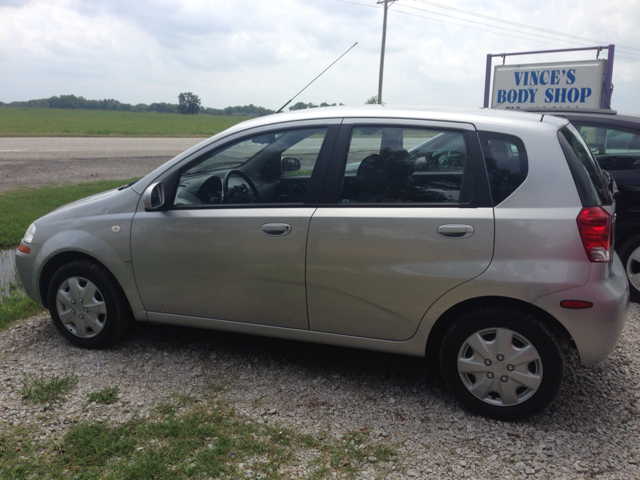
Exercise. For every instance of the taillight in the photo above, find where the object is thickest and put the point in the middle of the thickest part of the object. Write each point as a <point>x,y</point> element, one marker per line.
<point>594,224</point>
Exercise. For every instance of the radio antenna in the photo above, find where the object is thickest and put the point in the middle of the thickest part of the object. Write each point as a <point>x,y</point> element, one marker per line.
<point>281,108</point>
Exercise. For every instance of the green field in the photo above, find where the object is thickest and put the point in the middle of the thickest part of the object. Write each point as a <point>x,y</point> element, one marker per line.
<point>18,208</point>
<point>46,122</point>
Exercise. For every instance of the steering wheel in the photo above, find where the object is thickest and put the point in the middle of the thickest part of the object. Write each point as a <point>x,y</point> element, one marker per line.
<point>210,191</point>
<point>450,158</point>
<point>457,158</point>
<point>241,174</point>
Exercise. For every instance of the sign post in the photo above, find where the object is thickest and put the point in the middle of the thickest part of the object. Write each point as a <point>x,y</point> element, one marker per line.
<point>549,85</point>
<point>578,84</point>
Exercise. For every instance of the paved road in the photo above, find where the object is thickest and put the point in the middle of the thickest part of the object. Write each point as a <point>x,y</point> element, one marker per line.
<point>36,161</point>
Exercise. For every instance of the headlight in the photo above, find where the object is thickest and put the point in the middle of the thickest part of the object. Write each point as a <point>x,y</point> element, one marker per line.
<point>31,231</point>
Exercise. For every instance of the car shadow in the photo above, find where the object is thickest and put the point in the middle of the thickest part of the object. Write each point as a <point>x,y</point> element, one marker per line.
<point>582,405</point>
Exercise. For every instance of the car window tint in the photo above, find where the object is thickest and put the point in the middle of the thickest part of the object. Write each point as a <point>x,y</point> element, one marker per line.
<point>506,161</point>
<point>614,148</point>
<point>406,165</point>
<point>270,168</point>
<point>584,168</point>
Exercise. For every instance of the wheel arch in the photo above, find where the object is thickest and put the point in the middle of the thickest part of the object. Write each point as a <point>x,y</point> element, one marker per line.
<point>628,235</point>
<point>62,258</point>
<point>445,320</point>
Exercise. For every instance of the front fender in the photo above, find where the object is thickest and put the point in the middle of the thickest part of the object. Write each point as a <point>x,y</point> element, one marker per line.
<point>106,239</point>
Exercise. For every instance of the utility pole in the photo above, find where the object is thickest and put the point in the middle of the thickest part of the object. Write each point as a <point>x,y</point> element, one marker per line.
<point>387,4</point>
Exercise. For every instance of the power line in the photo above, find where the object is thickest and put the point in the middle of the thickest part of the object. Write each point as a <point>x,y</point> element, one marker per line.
<point>500,20</point>
<point>619,55</point>
<point>512,30</point>
<point>483,24</point>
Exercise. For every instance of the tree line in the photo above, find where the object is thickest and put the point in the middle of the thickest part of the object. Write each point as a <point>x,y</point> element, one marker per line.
<point>80,103</point>
<point>188,103</point>
<point>302,105</point>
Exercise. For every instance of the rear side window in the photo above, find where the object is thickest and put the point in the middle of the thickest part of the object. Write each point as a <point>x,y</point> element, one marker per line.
<point>584,168</point>
<point>388,164</point>
<point>506,162</point>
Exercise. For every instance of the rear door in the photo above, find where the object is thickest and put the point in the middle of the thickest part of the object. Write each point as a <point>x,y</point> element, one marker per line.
<point>405,217</point>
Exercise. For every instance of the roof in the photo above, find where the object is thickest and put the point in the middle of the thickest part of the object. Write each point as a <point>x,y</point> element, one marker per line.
<point>475,116</point>
<point>599,114</point>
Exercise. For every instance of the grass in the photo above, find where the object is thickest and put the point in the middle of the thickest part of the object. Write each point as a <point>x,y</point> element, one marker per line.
<point>18,208</point>
<point>15,305</point>
<point>47,389</point>
<point>106,396</point>
<point>187,437</point>
<point>207,439</point>
<point>45,122</point>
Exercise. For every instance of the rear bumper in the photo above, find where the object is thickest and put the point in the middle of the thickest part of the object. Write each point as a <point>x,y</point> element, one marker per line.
<point>596,330</point>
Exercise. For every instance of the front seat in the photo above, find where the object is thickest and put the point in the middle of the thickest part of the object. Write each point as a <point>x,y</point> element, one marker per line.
<point>401,166</point>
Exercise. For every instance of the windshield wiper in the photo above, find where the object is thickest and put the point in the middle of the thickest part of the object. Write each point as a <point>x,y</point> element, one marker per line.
<point>127,185</point>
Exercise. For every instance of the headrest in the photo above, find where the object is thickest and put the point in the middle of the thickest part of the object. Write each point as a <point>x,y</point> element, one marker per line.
<point>372,173</point>
<point>399,162</point>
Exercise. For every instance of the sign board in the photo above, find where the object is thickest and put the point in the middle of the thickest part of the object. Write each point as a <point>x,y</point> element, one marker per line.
<point>549,85</point>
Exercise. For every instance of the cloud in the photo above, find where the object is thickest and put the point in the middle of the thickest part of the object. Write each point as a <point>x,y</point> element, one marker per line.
<point>251,51</point>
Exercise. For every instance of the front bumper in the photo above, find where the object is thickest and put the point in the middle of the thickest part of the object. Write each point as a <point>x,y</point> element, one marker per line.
<point>25,264</point>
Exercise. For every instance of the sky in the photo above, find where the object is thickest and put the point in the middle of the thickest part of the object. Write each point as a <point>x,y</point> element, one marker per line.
<point>263,52</point>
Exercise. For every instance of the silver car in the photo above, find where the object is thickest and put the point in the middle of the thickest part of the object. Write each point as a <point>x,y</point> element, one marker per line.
<point>481,240</point>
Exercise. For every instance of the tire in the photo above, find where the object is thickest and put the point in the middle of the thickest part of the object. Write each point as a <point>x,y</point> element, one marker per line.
<point>630,255</point>
<point>88,305</point>
<point>501,363</point>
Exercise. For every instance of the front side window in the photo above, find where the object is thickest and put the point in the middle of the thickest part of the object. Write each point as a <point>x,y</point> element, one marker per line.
<point>406,165</point>
<point>272,168</point>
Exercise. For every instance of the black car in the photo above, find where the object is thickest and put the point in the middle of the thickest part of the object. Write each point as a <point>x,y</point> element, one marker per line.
<point>615,141</point>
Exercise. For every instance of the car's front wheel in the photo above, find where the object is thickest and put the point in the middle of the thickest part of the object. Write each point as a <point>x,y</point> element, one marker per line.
<point>87,305</point>
<point>502,363</point>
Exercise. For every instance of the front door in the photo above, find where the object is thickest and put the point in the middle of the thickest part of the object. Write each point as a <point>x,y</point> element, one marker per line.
<point>232,245</point>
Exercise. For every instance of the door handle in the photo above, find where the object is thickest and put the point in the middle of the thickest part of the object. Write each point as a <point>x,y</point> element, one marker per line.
<point>276,229</point>
<point>455,230</point>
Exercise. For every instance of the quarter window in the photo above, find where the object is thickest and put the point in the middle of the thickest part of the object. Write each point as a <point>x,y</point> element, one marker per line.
<point>584,168</point>
<point>506,162</point>
<point>406,165</point>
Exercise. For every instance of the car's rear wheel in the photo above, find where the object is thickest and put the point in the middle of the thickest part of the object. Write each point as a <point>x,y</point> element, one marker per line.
<point>87,305</point>
<point>502,363</point>
<point>630,255</point>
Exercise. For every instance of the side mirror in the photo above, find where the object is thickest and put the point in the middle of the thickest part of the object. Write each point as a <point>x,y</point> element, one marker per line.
<point>290,164</point>
<point>153,196</point>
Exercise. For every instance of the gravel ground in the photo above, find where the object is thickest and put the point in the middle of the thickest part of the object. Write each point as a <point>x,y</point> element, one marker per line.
<point>590,430</point>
